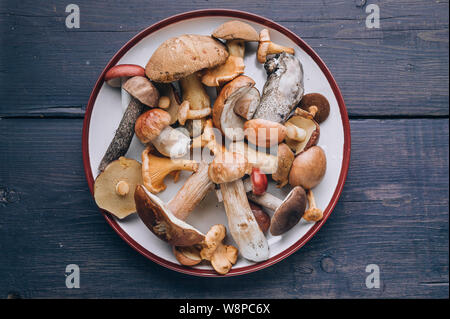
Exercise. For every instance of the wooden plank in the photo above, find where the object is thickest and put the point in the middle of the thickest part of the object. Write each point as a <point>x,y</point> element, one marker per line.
<point>400,69</point>
<point>393,213</point>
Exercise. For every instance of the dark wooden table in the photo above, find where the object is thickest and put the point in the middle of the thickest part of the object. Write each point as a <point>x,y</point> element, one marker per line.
<point>394,208</point>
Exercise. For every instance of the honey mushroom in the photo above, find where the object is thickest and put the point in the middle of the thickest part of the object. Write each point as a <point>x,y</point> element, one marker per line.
<point>267,47</point>
<point>236,33</point>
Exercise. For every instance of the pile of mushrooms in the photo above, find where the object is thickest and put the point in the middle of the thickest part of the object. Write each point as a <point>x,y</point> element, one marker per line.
<point>172,124</point>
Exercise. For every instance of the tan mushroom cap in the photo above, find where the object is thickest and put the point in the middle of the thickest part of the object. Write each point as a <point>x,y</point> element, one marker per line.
<point>143,90</point>
<point>289,213</point>
<point>181,56</point>
<point>110,192</point>
<point>150,124</point>
<point>285,159</point>
<point>236,30</point>
<point>162,222</point>
<point>308,168</point>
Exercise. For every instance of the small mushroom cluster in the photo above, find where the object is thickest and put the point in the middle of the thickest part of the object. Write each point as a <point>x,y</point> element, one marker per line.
<point>172,125</point>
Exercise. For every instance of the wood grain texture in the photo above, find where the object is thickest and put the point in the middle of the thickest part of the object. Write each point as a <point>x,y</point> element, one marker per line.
<point>393,212</point>
<point>400,69</point>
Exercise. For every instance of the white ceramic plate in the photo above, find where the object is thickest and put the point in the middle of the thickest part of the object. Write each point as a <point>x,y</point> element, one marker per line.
<point>104,113</point>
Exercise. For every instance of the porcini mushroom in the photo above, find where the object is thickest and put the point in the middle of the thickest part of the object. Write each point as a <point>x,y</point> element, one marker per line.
<point>119,74</point>
<point>236,33</point>
<point>287,212</point>
<point>308,168</point>
<point>267,47</point>
<point>285,160</point>
<point>313,213</point>
<point>167,221</point>
<point>114,187</point>
<point>317,105</point>
<point>179,58</point>
<point>283,89</point>
<point>155,169</point>
<point>143,90</point>
<point>153,126</point>
<point>228,167</point>
<point>223,114</point>
<point>304,121</point>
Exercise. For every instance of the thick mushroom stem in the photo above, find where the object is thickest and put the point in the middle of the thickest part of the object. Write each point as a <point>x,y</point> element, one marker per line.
<point>185,113</point>
<point>242,224</point>
<point>313,213</point>
<point>192,193</point>
<point>295,133</point>
<point>194,92</point>
<point>236,48</point>
<point>171,142</point>
<point>122,188</point>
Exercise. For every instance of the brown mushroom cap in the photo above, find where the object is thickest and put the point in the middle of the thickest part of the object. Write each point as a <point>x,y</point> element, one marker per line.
<point>162,222</point>
<point>236,30</point>
<point>246,106</point>
<point>318,100</point>
<point>117,200</point>
<point>285,159</point>
<point>115,75</point>
<point>305,121</point>
<point>187,256</point>
<point>150,124</point>
<point>223,115</point>
<point>143,90</point>
<point>289,212</point>
<point>181,56</point>
<point>308,168</point>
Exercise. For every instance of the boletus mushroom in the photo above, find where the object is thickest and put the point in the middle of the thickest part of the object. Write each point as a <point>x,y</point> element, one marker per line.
<point>287,212</point>
<point>267,133</point>
<point>114,187</point>
<point>317,105</point>
<point>308,168</point>
<point>153,127</point>
<point>303,121</point>
<point>236,33</point>
<point>229,99</point>
<point>118,75</point>
<point>283,89</point>
<point>180,58</point>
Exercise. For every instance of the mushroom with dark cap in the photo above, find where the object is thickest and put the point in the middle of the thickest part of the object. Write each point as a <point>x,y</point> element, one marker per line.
<point>288,212</point>
<point>114,187</point>
<point>223,114</point>
<point>317,105</point>
<point>267,47</point>
<point>153,126</point>
<point>308,168</point>
<point>236,33</point>
<point>167,221</point>
<point>283,89</point>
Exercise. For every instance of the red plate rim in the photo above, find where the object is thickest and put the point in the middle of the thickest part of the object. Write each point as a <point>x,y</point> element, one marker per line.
<point>257,19</point>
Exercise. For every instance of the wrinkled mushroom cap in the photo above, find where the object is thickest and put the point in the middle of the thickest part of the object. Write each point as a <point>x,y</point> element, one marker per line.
<point>236,30</point>
<point>162,222</point>
<point>318,100</point>
<point>143,90</point>
<point>289,212</point>
<point>305,121</point>
<point>115,75</point>
<point>308,168</point>
<point>150,124</point>
<point>223,115</point>
<point>105,193</point>
<point>181,56</point>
